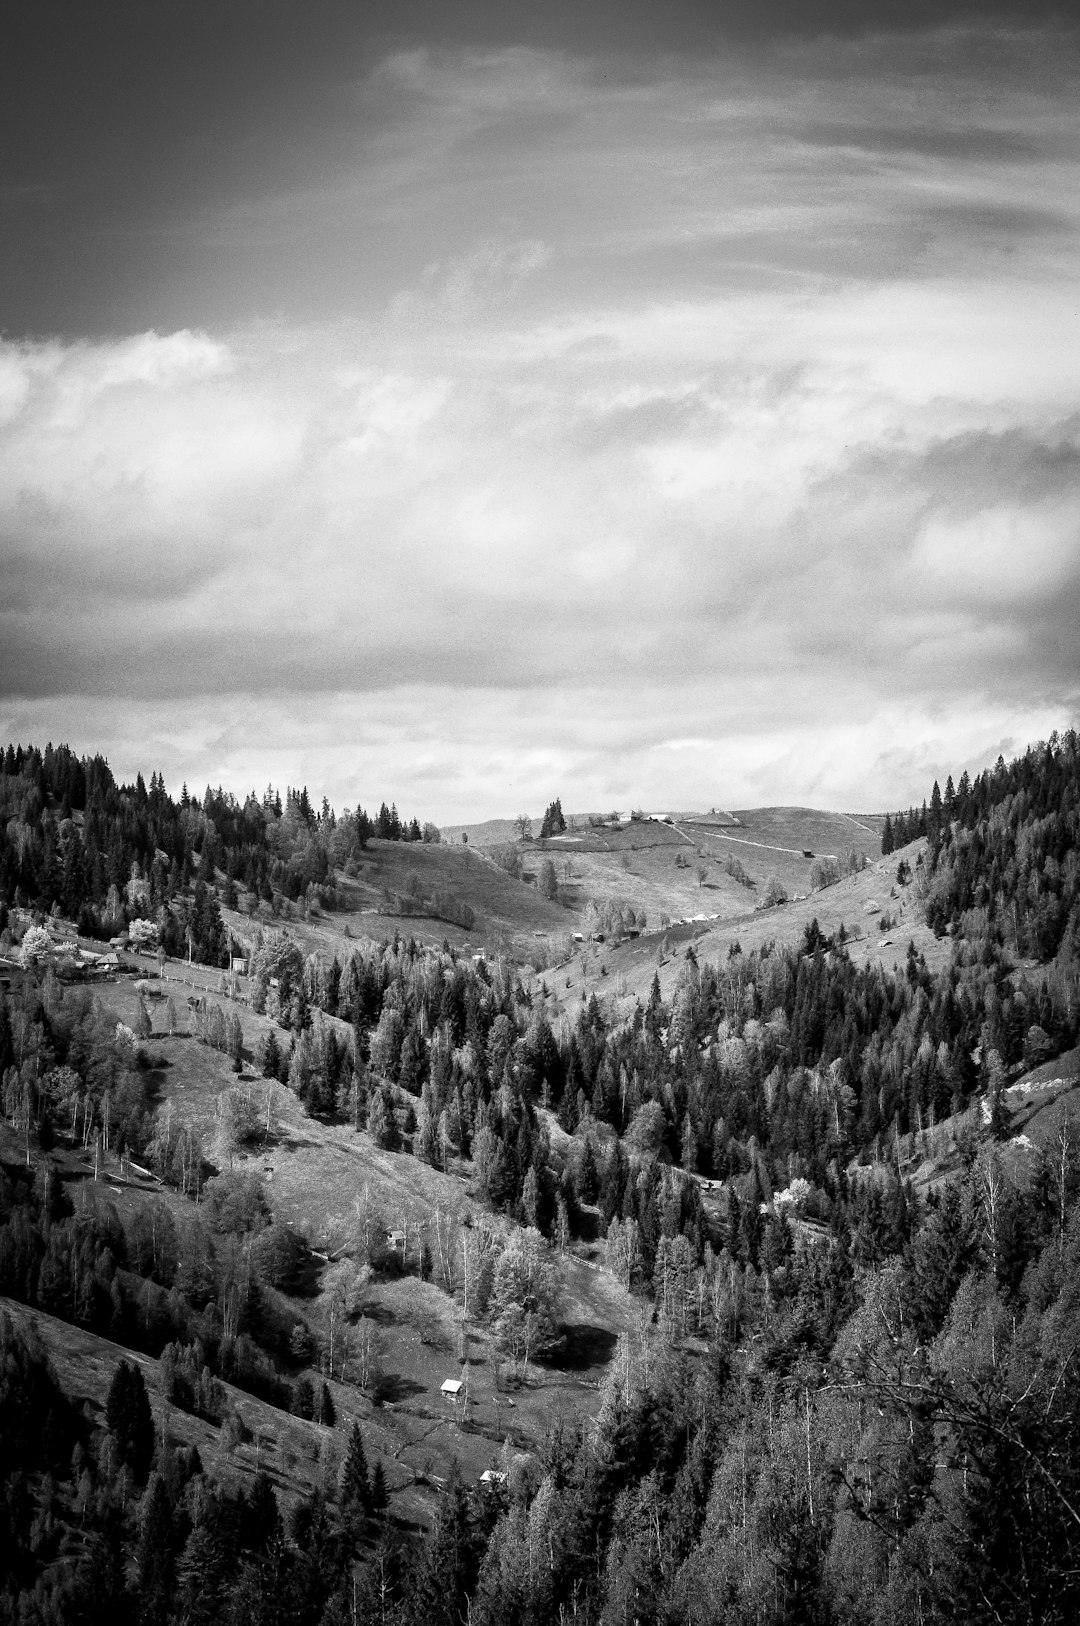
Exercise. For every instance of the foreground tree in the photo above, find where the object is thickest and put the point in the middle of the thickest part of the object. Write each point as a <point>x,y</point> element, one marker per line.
<point>524,1299</point>
<point>129,1419</point>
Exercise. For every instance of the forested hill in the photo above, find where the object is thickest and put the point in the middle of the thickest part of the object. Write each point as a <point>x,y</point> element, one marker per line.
<point>1003,851</point>
<point>846,1393</point>
<point>104,854</point>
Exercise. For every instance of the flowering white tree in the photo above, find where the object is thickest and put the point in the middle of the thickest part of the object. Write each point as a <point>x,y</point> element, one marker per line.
<point>36,945</point>
<point>143,934</point>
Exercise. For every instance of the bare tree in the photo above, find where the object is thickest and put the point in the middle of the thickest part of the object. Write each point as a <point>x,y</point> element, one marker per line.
<point>366,1352</point>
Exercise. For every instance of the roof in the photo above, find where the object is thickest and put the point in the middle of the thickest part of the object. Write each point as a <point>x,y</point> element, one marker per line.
<point>451,1386</point>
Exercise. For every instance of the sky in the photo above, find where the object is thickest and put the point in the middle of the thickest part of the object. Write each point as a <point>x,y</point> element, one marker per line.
<point>468,404</point>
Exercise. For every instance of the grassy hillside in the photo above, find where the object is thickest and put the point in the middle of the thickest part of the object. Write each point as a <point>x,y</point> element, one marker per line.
<point>509,914</point>
<point>314,1176</point>
<point>715,917</point>
<point>676,874</point>
<point>296,1454</point>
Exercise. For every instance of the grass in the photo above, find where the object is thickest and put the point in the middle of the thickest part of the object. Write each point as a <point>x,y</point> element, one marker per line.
<point>632,863</point>
<point>296,1454</point>
<point>313,1174</point>
<point>639,864</point>
<point>508,913</point>
<point>620,974</point>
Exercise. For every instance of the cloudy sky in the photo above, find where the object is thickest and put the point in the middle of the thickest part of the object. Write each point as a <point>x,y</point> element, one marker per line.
<point>465,404</point>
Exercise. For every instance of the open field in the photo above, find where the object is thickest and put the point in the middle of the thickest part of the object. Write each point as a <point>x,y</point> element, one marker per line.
<point>508,913</point>
<point>651,867</point>
<point>621,973</point>
<point>775,841</point>
<point>416,1444</point>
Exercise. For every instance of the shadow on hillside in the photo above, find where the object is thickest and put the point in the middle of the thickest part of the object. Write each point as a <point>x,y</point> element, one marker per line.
<point>305,1277</point>
<point>394,1388</point>
<point>584,1347</point>
<point>153,1081</point>
<point>291,1142</point>
<point>381,1314</point>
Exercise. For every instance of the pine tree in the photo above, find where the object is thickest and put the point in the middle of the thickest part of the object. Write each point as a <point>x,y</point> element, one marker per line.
<point>141,1025</point>
<point>379,1497</point>
<point>355,1489</point>
<point>202,1578</point>
<point>155,1555</point>
<point>129,1419</point>
<point>447,1573</point>
<point>235,1042</point>
<point>262,1518</point>
<point>271,1056</point>
<point>382,1124</point>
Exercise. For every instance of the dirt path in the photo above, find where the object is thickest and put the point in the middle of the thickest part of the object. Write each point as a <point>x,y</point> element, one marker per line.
<point>743,841</point>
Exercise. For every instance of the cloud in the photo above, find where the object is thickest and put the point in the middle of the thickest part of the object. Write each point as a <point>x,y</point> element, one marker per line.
<point>655,414</point>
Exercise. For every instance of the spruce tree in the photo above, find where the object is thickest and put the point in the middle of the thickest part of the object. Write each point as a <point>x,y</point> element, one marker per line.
<point>447,1573</point>
<point>355,1490</point>
<point>382,1124</point>
<point>129,1419</point>
<point>271,1065</point>
<point>155,1555</point>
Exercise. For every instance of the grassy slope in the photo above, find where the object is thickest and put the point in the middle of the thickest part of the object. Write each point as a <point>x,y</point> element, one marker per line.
<point>313,1174</point>
<point>622,973</point>
<point>632,863</point>
<point>1038,1105</point>
<point>505,909</point>
<point>636,863</point>
<point>294,1453</point>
